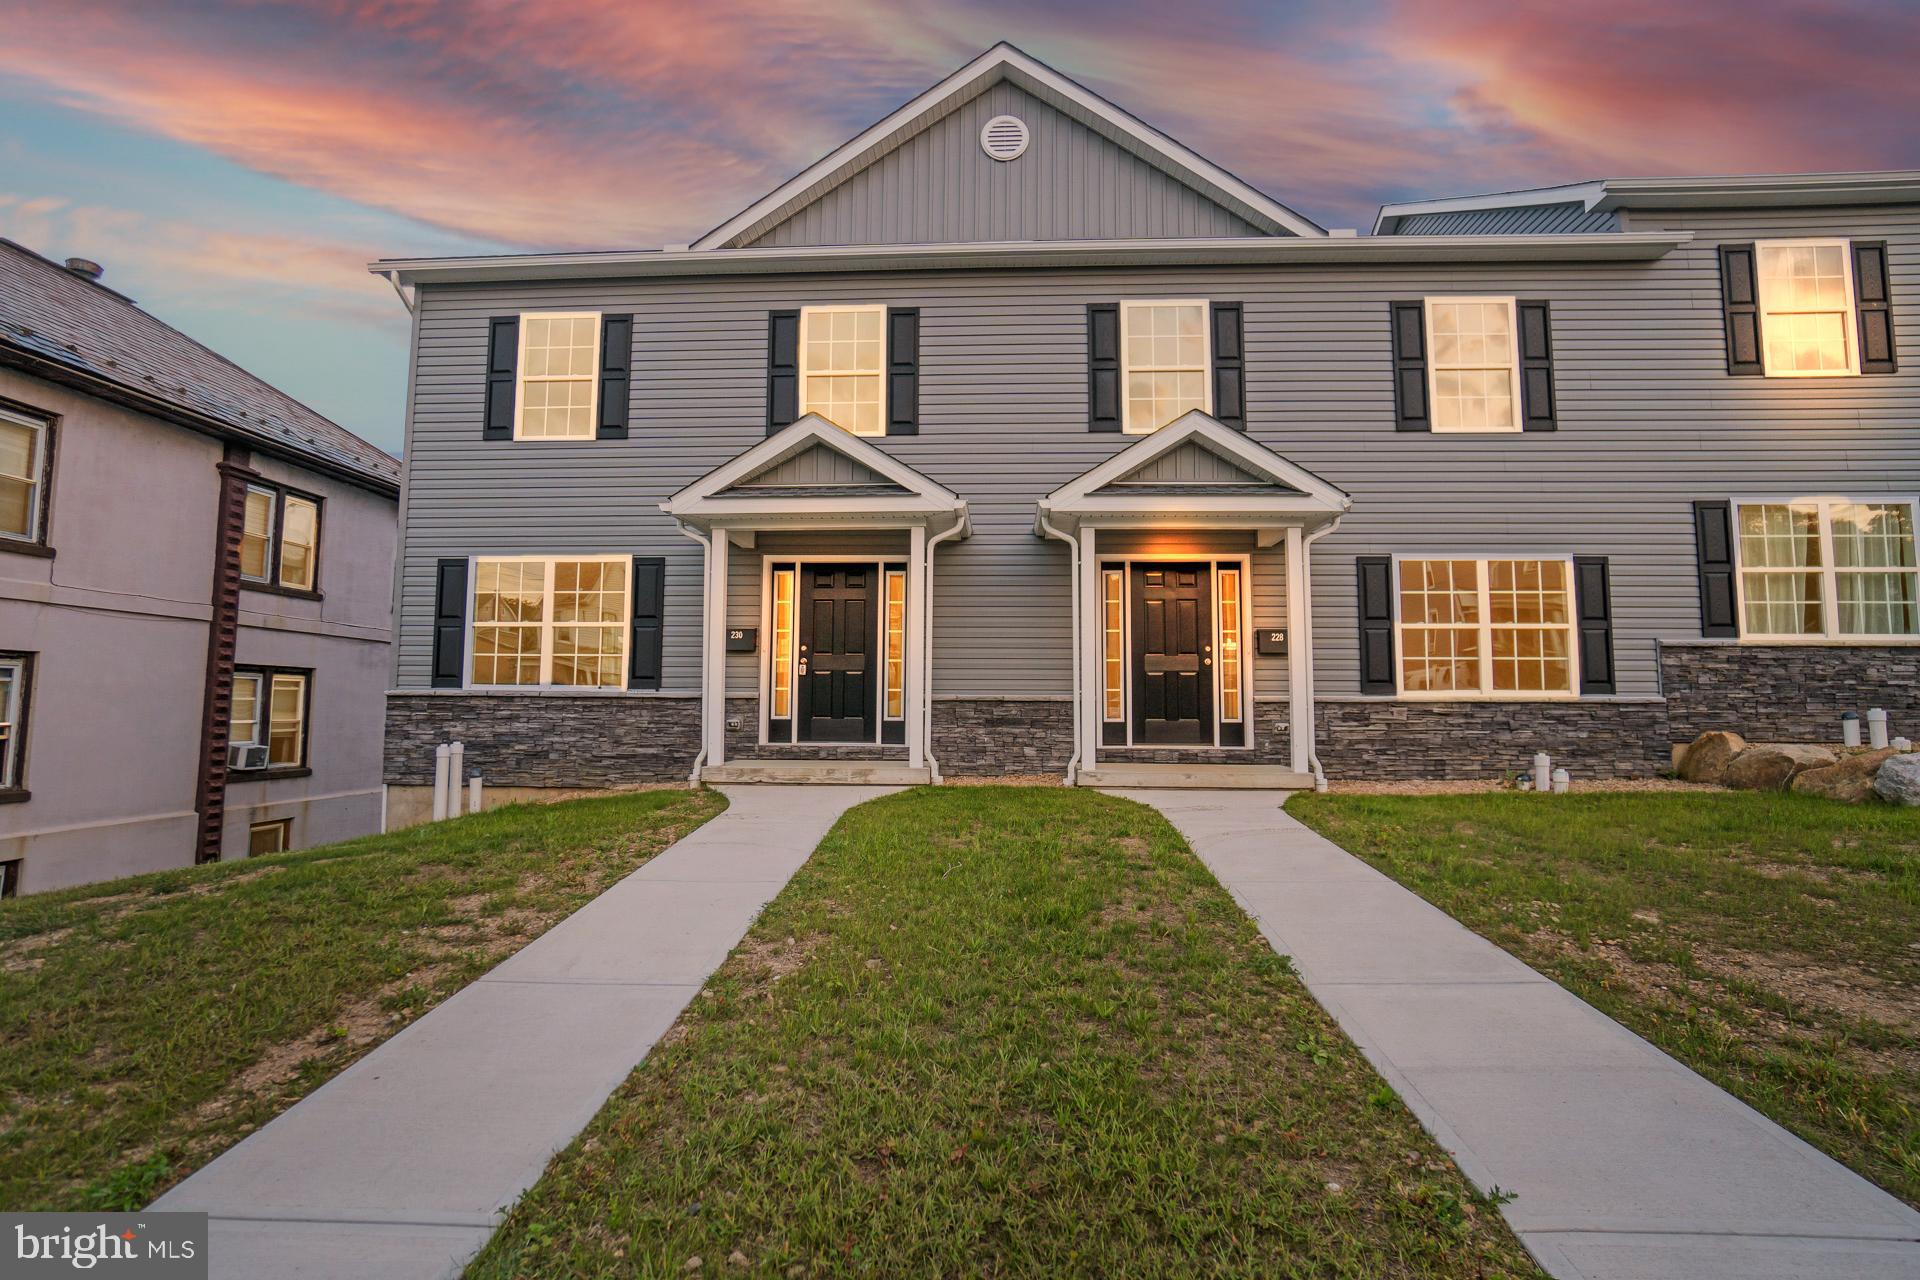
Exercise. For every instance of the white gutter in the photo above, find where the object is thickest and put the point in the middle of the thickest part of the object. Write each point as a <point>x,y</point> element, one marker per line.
<point>926,647</point>
<point>706,694</point>
<point>1073,589</point>
<point>1305,639</point>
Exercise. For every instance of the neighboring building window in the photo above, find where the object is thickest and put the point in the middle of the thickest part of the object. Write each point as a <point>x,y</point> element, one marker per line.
<point>896,645</point>
<point>559,376</point>
<point>1230,687</point>
<point>1113,631</point>
<point>10,878</point>
<point>1486,628</point>
<point>1473,372</point>
<point>1164,361</point>
<point>23,464</point>
<point>16,673</point>
<point>783,580</point>
<point>540,620</point>
<point>269,837</point>
<point>280,538</point>
<point>843,356</point>
<point>268,726</point>
<point>1806,308</point>
<point>1828,569</point>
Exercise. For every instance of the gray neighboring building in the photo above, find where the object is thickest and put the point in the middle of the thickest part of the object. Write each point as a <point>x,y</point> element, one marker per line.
<point>195,584</point>
<point>1014,437</point>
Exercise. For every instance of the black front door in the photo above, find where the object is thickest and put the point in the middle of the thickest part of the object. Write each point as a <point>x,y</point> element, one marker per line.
<point>837,652</point>
<point>1172,653</point>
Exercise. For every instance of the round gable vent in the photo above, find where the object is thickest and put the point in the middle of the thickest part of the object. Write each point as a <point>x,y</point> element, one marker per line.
<point>1004,138</point>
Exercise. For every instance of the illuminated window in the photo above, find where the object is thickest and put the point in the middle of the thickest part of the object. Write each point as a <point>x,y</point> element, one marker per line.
<point>1486,628</point>
<point>549,621</point>
<point>1229,644</point>
<point>299,537</point>
<point>14,678</point>
<point>1828,569</point>
<point>1112,626</point>
<point>256,534</point>
<point>267,725</point>
<point>896,644</point>
<point>843,367</point>
<point>280,538</point>
<point>559,376</point>
<point>782,650</point>
<point>1164,362</point>
<point>22,464</point>
<point>1806,308</point>
<point>1474,369</point>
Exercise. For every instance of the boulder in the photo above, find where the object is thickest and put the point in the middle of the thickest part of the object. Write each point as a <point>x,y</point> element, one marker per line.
<point>1771,768</point>
<point>1849,779</point>
<point>1707,759</point>
<point>1899,779</point>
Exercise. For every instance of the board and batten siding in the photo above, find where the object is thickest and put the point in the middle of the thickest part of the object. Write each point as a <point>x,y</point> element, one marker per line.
<point>1648,418</point>
<point>939,187</point>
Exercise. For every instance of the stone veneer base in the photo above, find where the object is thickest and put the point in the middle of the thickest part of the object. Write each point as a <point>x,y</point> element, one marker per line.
<point>1787,693</point>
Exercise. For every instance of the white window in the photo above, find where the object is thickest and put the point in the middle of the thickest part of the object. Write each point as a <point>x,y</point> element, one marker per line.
<point>559,376</point>
<point>256,533</point>
<point>1806,308</point>
<point>1113,649</point>
<point>13,706</point>
<point>268,725</point>
<point>895,682</point>
<point>843,354</point>
<point>1827,569</point>
<point>1164,362</point>
<point>782,647</point>
<point>1486,628</point>
<point>1473,366</point>
<point>280,538</point>
<point>299,540</point>
<point>543,620</point>
<point>23,443</point>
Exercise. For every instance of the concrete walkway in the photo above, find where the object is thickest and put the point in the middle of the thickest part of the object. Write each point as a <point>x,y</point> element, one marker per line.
<point>401,1166</point>
<point>1626,1164</point>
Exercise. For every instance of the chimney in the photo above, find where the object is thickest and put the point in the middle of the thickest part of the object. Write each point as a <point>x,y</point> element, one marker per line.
<point>85,268</point>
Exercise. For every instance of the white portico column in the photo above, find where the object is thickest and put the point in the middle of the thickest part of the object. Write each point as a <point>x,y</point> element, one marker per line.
<point>713,685</point>
<point>1089,639</point>
<point>1299,652</point>
<point>919,706</point>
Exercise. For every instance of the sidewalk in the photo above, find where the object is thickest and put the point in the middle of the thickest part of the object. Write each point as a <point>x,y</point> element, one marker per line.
<point>1625,1163</point>
<point>401,1166</point>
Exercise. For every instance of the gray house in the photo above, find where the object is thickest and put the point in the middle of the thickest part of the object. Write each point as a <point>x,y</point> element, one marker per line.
<point>194,597</point>
<point>1015,437</point>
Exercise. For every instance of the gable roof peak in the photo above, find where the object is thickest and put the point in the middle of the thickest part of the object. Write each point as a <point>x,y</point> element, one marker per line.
<point>1006,62</point>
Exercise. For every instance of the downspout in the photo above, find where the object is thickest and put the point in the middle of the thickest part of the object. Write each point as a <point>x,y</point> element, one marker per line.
<point>926,647</point>
<point>1073,584</point>
<point>1306,640</point>
<point>706,593</point>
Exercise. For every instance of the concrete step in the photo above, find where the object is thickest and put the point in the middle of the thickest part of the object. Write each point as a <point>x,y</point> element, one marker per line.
<point>862,773</point>
<point>1197,777</point>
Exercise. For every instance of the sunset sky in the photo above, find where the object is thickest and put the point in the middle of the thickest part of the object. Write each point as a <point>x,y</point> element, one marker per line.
<point>236,165</point>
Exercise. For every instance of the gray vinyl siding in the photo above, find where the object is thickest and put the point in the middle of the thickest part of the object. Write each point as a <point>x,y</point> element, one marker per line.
<point>816,466</point>
<point>1531,219</point>
<point>1648,422</point>
<point>1072,184</point>
<point>1189,464</point>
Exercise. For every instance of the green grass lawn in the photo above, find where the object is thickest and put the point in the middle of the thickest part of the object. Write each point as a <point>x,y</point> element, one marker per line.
<point>1012,1032</point>
<point>1771,942</point>
<point>147,1024</point>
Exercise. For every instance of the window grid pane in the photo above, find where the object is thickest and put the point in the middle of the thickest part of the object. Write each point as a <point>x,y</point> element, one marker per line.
<point>557,622</point>
<point>1473,365</point>
<point>1804,297</point>
<point>298,540</point>
<point>1113,652</point>
<point>19,477</point>
<point>243,723</point>
<point>558,355</point>
<point>1166,360</point>
<point>287,712</point>
<point>1230,644</point>
<point>256,533</point>
<point>1439,654</point>
<point>843,363</point>
<point>782,644</point>
<point>896,644</point>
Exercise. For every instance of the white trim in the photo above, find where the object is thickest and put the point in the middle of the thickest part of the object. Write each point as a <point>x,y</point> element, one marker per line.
<point>1004,62</point>
<point>1434,368</point>
<point>521,377</point>
<point>878,373</point>
<point>547,624</point>
<point>1204,368</point>
<point>1830,635</point>
<point>885,562</point>
<point>1486,692</point>
<point>1240,560</point>
<point>1849,323</point>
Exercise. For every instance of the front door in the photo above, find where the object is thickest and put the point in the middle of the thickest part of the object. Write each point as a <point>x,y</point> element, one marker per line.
<point>1172,653</point>
<point>836,659</point>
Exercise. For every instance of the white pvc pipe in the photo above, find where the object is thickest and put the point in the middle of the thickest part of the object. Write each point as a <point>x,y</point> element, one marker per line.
<point>1073,579</point>
<point>440,764</point>
<point>456,771</point>
<point>474,794</point>
<point>1876,727</point>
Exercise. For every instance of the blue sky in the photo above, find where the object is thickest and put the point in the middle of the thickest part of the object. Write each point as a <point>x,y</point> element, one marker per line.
<point>235,163</point>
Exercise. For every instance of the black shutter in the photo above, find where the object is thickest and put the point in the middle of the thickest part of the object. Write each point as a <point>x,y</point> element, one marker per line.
<point>1229,366</point>
<point>1713,546</point>
<point>649,609</point>
<point>450,624</point>
<point>1410,367</point>
<point>1874,306</point>
<point>1536,366</point>
<point>783,369</point>
<point>1103,366</point>
<point>503,365</point>
<point>616,356</point>
<point>1376,624</point>
<point>903,371</point>
<point>1593,605</point>
<point>1740,297</point>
